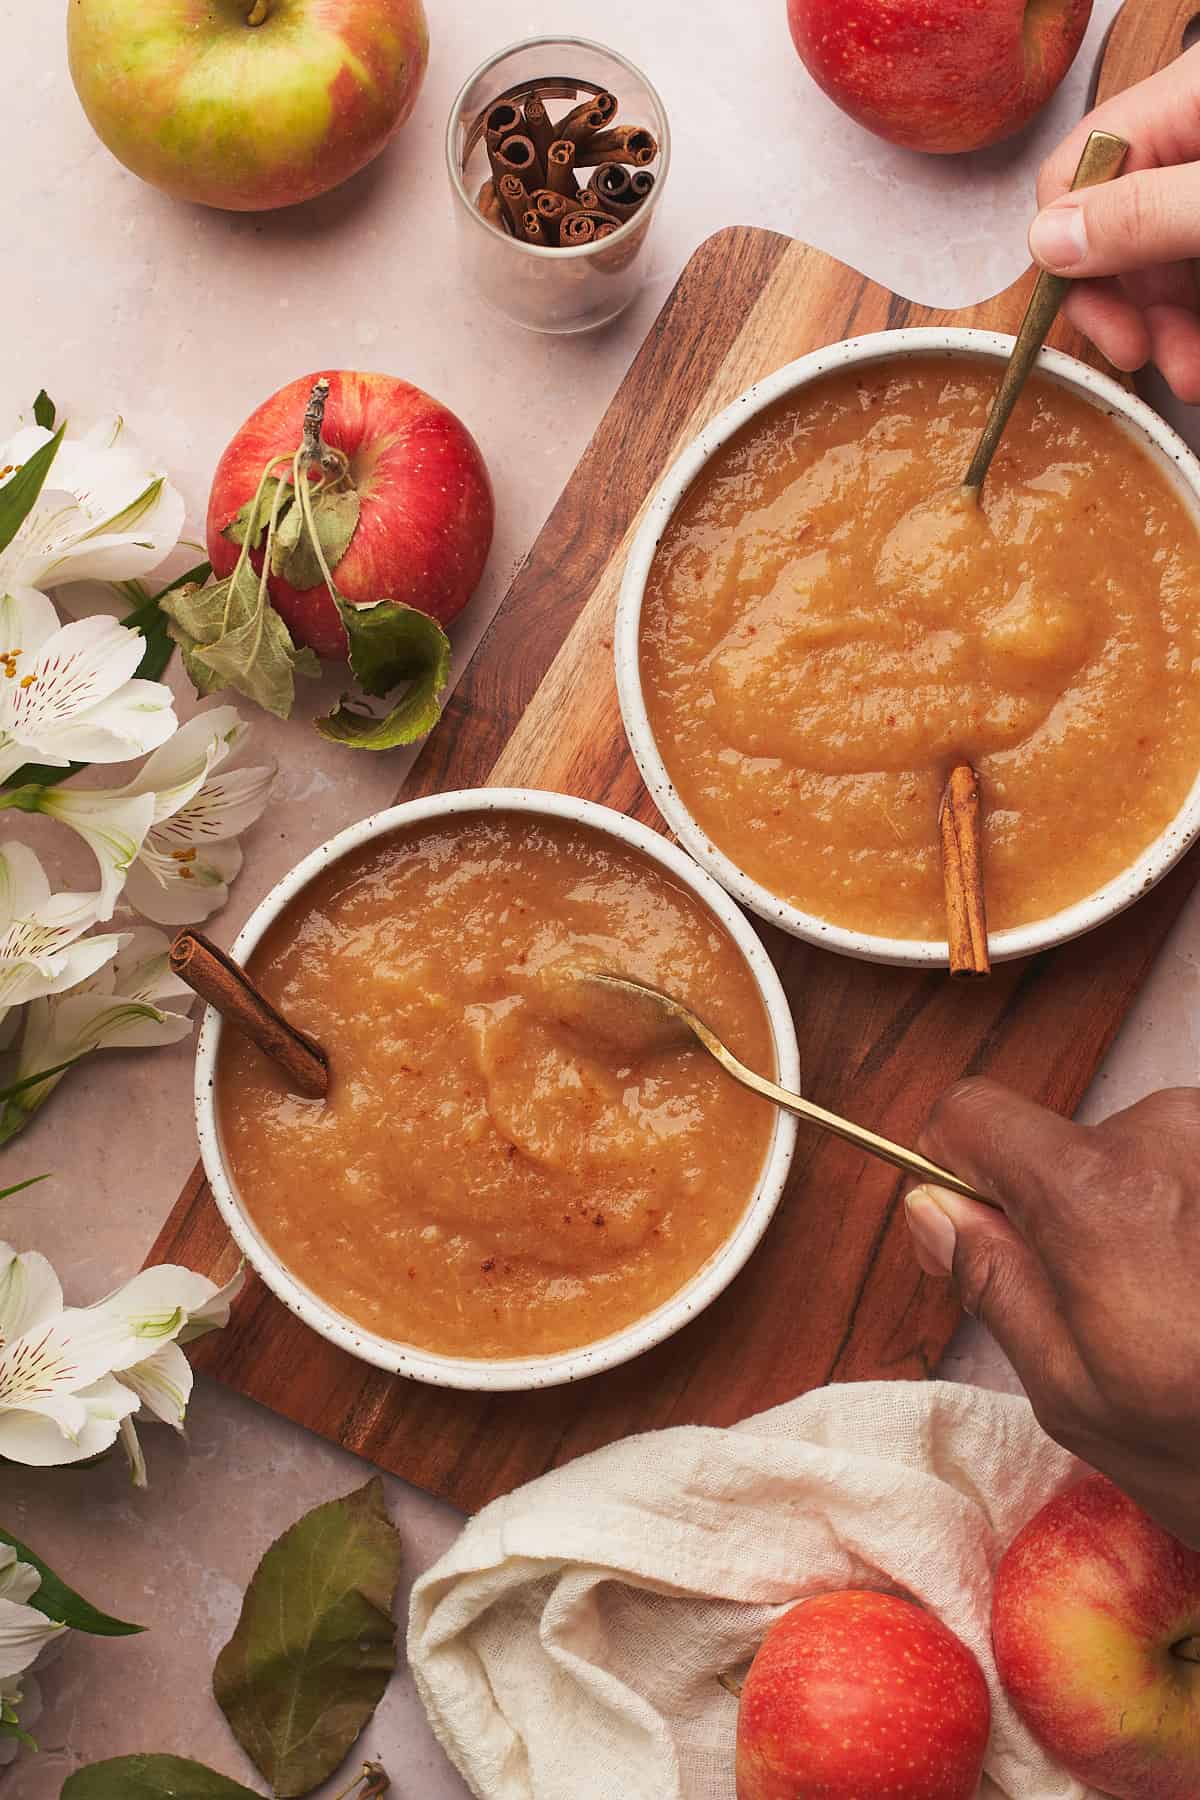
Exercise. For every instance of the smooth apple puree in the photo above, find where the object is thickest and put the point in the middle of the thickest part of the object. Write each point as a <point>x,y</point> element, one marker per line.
<point>829,625</point>
<point>490,1175</point>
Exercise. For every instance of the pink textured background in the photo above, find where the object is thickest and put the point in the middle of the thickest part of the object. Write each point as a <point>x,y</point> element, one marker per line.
<point>115,298</point>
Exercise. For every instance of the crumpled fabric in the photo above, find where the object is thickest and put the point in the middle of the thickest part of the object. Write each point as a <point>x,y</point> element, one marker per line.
<point>567,1645</point>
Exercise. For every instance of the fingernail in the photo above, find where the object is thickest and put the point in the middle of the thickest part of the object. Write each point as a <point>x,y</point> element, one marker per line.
<point>934,1236</point>
<point>1058,237</point>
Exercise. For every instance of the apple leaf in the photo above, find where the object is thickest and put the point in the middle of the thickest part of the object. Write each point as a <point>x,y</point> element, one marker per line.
<point>44,411</point>
<point>19,494</point>
<point>231,636</point>
<point>54,1598</point>
<point>152,1778</point>
<point>316,1642</point>
<point>260,508</point>
<point>391,643</point>
<point>335,515</point>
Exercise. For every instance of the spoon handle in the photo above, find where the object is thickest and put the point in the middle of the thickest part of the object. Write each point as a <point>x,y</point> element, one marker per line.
<point>909,1160</point>
<point>1103,155</point>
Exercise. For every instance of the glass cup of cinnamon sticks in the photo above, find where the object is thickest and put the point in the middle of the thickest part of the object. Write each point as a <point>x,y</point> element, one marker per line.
<point>557,150</point>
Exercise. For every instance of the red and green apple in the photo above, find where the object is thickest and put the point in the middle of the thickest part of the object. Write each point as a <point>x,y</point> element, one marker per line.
<point>246,104</point>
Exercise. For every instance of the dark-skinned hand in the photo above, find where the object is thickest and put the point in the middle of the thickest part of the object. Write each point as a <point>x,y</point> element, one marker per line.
<point>1087,1275</point>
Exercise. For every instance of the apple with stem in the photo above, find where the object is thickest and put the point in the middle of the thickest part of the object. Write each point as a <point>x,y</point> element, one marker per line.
<point>1096,1630</point>
<point>423,500</point>
<point>952,76</point>
<point>246,104</point>
<point>861,1693</point>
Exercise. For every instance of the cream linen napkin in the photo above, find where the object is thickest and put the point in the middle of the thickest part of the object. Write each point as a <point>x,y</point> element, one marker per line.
<point>566,1646</point>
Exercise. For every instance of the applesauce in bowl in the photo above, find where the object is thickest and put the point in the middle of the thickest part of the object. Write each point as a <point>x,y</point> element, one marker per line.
<point>816,624</point>
<point>499,1190</point>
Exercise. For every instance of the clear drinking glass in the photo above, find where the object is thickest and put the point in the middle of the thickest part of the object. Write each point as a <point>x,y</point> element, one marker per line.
<point>586,285</point>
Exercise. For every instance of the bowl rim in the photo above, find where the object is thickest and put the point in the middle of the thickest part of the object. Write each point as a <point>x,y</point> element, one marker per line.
<point>510,1373</point>
<point>1106,901</point>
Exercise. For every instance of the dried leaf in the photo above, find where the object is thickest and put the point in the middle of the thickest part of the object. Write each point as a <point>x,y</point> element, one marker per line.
<point>335,515</point>
<point>54,1598</point>
<point>316,1642</point>
<point>152,1778</point>
<point>239,525</point>
<point>391,643</point>
<point>230,636</point>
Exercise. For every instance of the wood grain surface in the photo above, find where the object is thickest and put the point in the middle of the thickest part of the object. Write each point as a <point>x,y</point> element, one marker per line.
<point>833,1293</point>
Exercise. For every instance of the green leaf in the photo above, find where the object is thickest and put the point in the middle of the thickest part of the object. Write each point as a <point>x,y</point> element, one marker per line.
<point>316,1642</point>
<point>19,496</point>
<point>240,523</point>
<point>44,411</point>
<point>18,1187</point>
<point>391,643</point>
<point>152,1778</point>
<point>57,1601</point>
<point>231,636</point>
<point>335,515</point>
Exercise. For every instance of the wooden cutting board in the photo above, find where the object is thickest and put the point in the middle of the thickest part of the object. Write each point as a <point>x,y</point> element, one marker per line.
<point>833,1293</point>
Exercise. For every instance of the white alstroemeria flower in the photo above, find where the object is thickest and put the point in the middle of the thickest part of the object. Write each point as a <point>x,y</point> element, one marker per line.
<point>42,947</point>
<point>71,1378</point>
<point>68,693</point>
<point>116,1008</point>
<point>106,511</point>
<point>169,833</point>
<point>24,1636</point>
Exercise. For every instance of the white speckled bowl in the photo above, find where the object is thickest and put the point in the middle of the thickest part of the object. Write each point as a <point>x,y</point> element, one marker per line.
<point>534,1371</point>
<point>1132,415</point>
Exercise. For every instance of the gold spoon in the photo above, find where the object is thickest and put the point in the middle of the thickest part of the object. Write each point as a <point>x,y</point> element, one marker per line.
<point>908,1160</point>
<point>1103,155</point>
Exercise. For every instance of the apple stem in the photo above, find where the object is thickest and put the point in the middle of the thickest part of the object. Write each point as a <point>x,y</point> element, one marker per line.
<point>1187,1649</point>
<point>259,12</point>
<point>731,1684</point>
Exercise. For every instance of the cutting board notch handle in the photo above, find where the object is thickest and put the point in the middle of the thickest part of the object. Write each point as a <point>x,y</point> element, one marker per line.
<point>1144,37</point>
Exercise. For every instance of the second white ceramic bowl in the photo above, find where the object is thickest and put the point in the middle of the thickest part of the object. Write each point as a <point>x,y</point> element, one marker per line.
<point>534,1371</point>
<point>1164,447</point>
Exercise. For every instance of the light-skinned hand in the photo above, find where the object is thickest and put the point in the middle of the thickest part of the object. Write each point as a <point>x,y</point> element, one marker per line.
<point>1134,238</point>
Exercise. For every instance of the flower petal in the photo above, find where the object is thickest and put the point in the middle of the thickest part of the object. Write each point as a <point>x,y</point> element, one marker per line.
<point>177,771</point>
<point>156,1306</point>
<point>112,826</point>
<point>76,698</point>
<point>24,1634</point>
<point>163,1384</point>
<point>27,619</point>
<point>183,887</point>
<point>27,1437</point>
<point>142,969</point>
<point>213,1315</point>
<point>223,808</point>
<point>34,961</point>
<point>23,884</point>
<point>18,1580</point>
<point>30,1292</point>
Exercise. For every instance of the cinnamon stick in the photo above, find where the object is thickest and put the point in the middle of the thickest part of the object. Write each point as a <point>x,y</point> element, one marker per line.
<point>532,228</point>
<point>612,181</point>
<point>560,165</point>
<point>586,119</point>
<point>488,202</point>
<point>226,986</point>
<point>624,144</point>
<point>553,208</point>
<point>577,228</point>
<point>514,198</point>
<point>539,127</point>
<point>516,156</point>
<point>500,123</point>
<point>641,181</point>
<point>961,827</point>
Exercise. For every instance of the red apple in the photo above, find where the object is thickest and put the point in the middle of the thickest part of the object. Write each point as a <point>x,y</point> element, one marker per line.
<point>425,526</point>
<point>949,76</point>
<point>246,104</point>
<point>1096,1628</point>
<point>861,1694</point>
